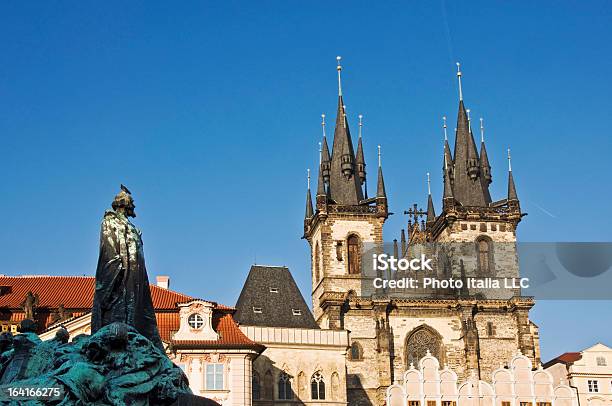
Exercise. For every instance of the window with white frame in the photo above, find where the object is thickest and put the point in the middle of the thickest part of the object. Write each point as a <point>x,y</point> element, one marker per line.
<point>195,321</point>
<point>601,361</point>
<point>593,386</point>
<point>214,376</point>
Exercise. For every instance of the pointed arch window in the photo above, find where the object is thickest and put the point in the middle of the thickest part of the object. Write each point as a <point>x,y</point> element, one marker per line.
<point>268,389</point>
<point>419,342</point>
<point>354,255</point>
<point>484,251</point>
<point>356,351</point>
<point>284,387</point>
<point>317,386</point>
<point>256,386</point>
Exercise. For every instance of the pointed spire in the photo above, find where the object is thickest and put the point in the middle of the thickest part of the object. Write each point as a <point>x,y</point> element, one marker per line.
<point>469,188</point>
<point>485,168</point>
<point>320,185</point>
<point>361,172</point>
<point>395,248</point>
<point>431,213</point>
<point>380,189</point>
<point>448,190</point>
<point>459,78</point>
<point>447,167</point>
<point>403,241</point>
<point>512,196</point>
<point>339,68</point>
<point>325,157</point>
<point>309,210</point>
<point>344,182</point>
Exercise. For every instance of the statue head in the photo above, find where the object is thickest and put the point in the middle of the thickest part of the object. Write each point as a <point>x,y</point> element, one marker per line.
<point>124,203</point>
<point>62,335</point>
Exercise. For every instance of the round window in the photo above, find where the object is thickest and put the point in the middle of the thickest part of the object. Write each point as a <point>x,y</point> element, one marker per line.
<point>195,321</point>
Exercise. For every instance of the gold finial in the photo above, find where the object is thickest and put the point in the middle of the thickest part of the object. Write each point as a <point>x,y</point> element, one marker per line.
<point>481,129</point>
<point>379,158</point>
<point>444,126</point>
<point>428,184</point>
<point>509,161</point>
<point>360,124</point>
<point>339,68</point>
<point>459,77</point>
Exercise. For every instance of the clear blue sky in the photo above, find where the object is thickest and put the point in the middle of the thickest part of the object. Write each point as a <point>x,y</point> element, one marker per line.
<point>210,111</point>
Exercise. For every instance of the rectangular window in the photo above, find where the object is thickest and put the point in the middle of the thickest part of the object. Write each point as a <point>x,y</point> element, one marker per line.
<point>414,403</point>
<point>273,290</point>
<point>593,386</point>
<point>257,310</point>
<point>525,403</point>
<point>449,403</point>
<point>505,403</point>
<point>490,329</point>
<point>544,404</point>
<point>296,312</point>
<point>214,376</point>
<point>431,403</point>
<point>601,361</point>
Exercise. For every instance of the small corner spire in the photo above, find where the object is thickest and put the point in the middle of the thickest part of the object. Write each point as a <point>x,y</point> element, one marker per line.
<point>459,78</point>
<point>320,153</point>
<point>469,120</point>
<point>512,195</point>
<point>309,210</point>
<point>380,189</point>
<point>360,159</point>
<point>339,68</point>
<point>431,213</point>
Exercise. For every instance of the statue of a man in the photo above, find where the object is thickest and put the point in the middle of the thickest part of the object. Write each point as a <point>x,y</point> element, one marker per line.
<point>122,285</point>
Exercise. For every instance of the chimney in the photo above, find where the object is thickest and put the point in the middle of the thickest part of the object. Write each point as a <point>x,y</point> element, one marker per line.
<point>163,281</point>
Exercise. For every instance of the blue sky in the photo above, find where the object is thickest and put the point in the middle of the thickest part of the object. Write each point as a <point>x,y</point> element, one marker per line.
<point>210,111</point>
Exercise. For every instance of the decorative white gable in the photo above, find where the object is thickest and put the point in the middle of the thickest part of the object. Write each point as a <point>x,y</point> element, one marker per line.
<point>196,321</point>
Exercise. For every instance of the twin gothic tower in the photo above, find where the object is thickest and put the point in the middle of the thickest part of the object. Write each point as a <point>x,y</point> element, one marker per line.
<point>471,334</point>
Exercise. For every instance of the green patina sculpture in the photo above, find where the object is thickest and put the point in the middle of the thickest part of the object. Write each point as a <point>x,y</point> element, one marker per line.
<point>122,286</point>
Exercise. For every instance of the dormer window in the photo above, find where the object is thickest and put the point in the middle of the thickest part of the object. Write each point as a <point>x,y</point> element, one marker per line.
<point>296,312</point>
<point>196,321</point>
<point>273,290</point>
<point>257,309</point>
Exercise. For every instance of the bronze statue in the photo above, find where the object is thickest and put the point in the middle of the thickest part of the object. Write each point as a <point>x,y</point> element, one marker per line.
<point>29,304</point>
<point>122,286</point>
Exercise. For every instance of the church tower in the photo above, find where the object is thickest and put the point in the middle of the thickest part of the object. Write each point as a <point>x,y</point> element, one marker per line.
<point>343,220</point>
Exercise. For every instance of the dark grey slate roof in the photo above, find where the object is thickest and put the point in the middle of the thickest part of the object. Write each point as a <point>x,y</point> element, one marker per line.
<point>278,307</point>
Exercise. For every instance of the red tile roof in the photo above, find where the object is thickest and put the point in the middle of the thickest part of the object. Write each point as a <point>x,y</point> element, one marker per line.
<point>74,292</point>
<point>565,358</point>
<point>230,336</point>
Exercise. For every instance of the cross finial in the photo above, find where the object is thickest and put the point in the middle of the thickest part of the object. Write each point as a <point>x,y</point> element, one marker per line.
<point>339,68</point>
<point>360,124</point>
<point>481,129</point>
<point>444,126</point>
<point>379,158</point>
<point>428,184</point>
<point>509,161</point>
<point>308,171</point>
<point>459,77</point>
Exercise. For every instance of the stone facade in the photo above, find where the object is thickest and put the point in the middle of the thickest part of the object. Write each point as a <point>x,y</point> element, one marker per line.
<point>298,355</point>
